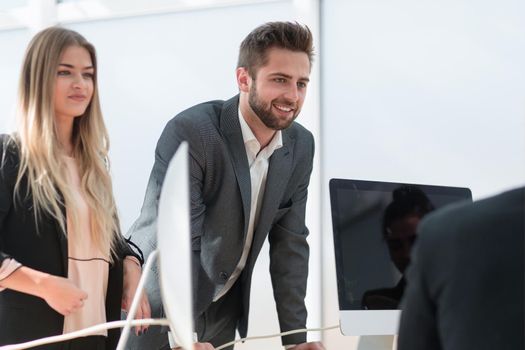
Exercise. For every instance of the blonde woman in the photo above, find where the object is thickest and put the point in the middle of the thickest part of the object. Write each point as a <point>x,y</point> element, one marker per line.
<point>63,264</point>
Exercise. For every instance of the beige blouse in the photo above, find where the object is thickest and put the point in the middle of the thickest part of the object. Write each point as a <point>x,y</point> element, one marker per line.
<point>88,267</point>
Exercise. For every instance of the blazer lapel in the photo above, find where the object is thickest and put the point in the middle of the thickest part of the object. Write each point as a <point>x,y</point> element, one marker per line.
<point>231,130</point>
<point>279,172</point>
<point>62,241</point>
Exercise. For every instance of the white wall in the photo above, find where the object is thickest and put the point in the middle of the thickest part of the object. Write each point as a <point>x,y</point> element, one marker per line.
<point>12,46</point>
<point>420,91</point>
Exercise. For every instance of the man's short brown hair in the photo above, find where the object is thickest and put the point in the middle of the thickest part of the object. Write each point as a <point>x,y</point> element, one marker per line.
<point>283,35</point>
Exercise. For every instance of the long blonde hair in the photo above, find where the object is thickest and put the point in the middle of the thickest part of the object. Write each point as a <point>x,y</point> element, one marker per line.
<point>38,144</point>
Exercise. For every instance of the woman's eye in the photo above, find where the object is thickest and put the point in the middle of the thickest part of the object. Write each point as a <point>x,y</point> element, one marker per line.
<point>63,72</point>
<point>88,75</point>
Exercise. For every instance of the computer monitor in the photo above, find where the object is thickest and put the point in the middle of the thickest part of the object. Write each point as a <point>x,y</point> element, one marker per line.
<point>374,226</point>
<point>174,245</point>
<point>174,254</point>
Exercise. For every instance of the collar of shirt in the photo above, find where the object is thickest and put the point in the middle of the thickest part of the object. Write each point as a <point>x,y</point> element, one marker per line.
<point>252,145</point>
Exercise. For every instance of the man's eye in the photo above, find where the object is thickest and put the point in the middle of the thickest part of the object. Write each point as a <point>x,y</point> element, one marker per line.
<point>301,85</point>
<point>279,80</point>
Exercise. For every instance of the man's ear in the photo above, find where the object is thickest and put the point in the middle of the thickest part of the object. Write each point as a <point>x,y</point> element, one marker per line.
<point>243,79</point>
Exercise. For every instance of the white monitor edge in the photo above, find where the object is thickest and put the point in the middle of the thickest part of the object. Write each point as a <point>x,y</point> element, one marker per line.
<point>369,322</point>
<point>174,246</point>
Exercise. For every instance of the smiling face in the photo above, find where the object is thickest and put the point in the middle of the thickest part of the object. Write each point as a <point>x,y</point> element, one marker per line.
<point>74,83</point>
<point>277,90</point>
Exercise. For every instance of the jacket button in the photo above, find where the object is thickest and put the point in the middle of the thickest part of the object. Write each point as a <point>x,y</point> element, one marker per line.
<point>223,276</point>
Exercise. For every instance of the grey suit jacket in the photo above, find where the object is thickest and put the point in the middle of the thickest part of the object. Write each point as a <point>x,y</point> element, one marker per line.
<point>220,209</point>
<point>465,285</point>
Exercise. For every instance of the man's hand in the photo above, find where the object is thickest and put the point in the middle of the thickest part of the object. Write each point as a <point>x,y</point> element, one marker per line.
<point>132,272</point>
<point>199,346</point>
<point>309,346</point>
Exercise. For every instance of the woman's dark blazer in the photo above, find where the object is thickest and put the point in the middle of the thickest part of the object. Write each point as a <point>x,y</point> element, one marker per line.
<point>43,247</point>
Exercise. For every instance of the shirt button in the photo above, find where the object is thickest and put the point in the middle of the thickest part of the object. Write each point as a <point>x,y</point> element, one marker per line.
<point>223,276</point>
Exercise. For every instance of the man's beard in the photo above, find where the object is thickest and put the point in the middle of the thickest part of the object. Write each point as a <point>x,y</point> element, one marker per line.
<point>265,113</point>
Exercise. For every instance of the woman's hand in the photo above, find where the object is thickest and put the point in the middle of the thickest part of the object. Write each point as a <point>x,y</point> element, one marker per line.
<point>62,295</point>
<point>132,272</point>
<point>199,346</point>
<point>58,292</point>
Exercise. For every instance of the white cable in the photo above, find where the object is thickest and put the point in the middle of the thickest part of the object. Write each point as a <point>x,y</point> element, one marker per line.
<point>129,322</point>
<point>148,321</point>
<point>115,324</point>
<point>85,332</point>
<point>275,335</point>
<point>136,300</point>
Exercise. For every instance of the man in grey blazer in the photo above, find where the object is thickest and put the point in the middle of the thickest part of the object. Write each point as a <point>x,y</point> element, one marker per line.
<point>465,287</point>
<point>250,166</point>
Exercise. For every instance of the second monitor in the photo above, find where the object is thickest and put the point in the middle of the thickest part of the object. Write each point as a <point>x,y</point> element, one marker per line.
<point>374,227</point>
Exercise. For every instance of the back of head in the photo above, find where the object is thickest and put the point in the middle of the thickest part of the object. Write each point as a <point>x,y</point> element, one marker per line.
<point>470,271</point>
<point>407,200</point>
<point>283,35</point>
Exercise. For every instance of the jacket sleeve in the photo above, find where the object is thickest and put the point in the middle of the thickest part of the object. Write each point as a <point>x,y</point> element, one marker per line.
<point>289,254</point>
<point>143,232</point>
<point>8,173</point>
<point>125,247</point>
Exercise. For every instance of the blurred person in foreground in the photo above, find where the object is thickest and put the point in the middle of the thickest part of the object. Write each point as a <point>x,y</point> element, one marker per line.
<point>465,284</point>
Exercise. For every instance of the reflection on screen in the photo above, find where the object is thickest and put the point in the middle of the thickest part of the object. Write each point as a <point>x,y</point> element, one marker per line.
<point>374,231</point>
<point>399,231</point>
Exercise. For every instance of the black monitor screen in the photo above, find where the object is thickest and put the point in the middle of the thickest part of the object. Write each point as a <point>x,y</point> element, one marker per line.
<point>375,226</point>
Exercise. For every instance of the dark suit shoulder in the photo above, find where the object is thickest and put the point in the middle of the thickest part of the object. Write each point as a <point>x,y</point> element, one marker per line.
<point>8,145</point>
<point>189,125</point>
<point>202,112</point>
<point>9,155</point>
<point>506,205</point>
<point>467,255</point>
<point>495,219</point>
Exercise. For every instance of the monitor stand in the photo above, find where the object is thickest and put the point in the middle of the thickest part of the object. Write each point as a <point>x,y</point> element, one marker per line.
<point>377,342</point>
